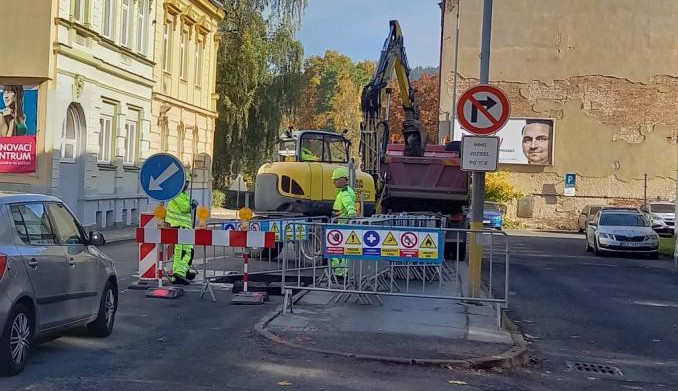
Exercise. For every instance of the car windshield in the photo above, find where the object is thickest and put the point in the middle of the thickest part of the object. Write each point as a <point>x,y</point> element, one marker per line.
<point>662,208</point>
<point>491,207</point>
<point>623,220</point>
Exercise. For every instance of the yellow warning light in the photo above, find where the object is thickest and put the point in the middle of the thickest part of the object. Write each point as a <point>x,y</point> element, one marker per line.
<point>160,212</point>
<point>202,213</point>
<point>245,214</point>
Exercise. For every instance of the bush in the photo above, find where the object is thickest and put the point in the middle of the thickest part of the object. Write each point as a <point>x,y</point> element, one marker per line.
<point>498,188</point>
<point>218,198</point>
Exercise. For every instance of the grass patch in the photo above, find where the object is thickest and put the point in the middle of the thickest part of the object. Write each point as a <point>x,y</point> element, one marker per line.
<point>666,246</point>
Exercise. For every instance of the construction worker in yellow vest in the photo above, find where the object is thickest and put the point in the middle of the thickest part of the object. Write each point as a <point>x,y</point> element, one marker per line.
<point>179,215</point>
<point>343,209</point>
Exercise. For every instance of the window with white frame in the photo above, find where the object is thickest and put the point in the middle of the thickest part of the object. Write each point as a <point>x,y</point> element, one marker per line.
<point>79,10</point>
<point>131,140</point>
<point>199,49</point>
<point>183,53</point>
<point>105,138</point>
<point>167,45</point>
<point>107,22</point>
<point>142,26</point>
<point>69,136</point>
<point>125,25</point>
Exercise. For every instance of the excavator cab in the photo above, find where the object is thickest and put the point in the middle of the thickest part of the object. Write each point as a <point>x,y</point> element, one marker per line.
<point>299,179</point>
<point>313,146</point>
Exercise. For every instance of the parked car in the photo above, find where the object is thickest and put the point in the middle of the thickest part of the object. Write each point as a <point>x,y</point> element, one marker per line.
<point>52,277</point>
<point>590,210</point>
<point>614,230</point>
<point>492,215</point>
<point>662,215</point>
<point>586,215</point>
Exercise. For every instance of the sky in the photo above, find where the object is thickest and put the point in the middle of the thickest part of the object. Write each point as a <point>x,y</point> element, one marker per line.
<point>358,28</point>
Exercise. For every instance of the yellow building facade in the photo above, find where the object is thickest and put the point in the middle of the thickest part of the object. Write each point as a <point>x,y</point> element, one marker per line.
<point>184,99</point>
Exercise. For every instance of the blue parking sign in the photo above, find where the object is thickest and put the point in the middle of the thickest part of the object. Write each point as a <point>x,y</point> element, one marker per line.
<point>570,180</point>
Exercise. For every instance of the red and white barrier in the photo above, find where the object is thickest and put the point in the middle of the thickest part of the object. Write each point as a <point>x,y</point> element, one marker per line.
<point>148,252</point>
<point>206,237</point>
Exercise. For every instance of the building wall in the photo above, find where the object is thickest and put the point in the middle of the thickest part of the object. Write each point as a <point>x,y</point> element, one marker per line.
<point>604,69</point>
<point>184,103</point>
<point>32,68</point>
<point>97,74</point>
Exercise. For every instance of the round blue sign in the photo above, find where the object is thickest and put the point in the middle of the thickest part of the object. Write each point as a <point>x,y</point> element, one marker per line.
<point>162,177</point>
<point>371,238</point>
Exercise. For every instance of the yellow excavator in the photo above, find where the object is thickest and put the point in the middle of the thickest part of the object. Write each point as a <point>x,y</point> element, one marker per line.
<point>299,181</point>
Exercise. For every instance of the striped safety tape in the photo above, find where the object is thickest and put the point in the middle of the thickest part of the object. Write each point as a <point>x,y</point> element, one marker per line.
<point>206,237</point>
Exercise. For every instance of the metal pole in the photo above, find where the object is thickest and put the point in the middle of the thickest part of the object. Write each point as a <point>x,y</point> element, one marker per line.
<point>478,195</point>
<point>675,231</point>
<point>456,67</point>
<point>645,192</point>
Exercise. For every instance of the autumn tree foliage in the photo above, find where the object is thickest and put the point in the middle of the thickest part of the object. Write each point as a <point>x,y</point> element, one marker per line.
<point>427,97</point>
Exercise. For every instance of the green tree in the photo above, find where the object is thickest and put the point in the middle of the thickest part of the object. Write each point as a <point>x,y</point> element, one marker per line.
<point>258,71</point>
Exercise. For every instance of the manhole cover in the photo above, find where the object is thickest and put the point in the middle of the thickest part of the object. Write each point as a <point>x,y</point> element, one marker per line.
<point>594,369</point>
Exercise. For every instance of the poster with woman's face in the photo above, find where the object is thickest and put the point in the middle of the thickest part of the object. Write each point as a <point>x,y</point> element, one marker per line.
<point>18,127</point>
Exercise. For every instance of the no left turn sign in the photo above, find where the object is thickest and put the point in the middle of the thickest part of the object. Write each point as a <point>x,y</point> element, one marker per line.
<point>483,110</point>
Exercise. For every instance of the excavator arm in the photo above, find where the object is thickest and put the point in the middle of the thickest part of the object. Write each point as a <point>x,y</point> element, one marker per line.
<point>375,101</point>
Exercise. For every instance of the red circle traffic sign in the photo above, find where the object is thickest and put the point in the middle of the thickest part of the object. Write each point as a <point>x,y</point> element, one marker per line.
<point>334,237</point>
<point>483,109</point>
<point>409,239</point>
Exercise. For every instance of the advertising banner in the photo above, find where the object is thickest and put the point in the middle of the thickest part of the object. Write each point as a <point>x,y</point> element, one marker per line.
<point>18,128</point>
<point>523,141</point>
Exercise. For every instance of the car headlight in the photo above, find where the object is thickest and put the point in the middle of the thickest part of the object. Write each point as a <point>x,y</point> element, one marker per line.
<point>605,236</point>
<point>496,218</point>
<point>651,237</point>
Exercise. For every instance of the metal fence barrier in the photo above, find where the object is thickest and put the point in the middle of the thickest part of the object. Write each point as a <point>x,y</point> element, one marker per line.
<point>369,274</point>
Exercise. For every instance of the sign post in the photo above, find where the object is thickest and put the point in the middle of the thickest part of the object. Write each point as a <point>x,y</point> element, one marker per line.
<point>481,110</point>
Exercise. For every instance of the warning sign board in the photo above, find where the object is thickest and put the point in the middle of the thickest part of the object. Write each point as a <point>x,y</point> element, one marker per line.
<point>399,244</point>
<point>353,239</point>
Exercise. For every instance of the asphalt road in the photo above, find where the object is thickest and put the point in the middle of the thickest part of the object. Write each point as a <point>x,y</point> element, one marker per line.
<point>579,307</point>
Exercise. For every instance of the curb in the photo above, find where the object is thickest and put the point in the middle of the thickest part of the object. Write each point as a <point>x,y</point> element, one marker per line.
<point>515,357</point>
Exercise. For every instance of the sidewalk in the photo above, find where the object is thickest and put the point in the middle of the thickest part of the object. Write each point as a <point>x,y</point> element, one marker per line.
<point>403,329</point>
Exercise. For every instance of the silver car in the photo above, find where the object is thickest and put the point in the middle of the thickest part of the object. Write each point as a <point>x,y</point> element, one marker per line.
<point>52,277</point>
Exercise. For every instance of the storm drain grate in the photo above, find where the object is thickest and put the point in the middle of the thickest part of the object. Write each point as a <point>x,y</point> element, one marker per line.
<point>595,369</point>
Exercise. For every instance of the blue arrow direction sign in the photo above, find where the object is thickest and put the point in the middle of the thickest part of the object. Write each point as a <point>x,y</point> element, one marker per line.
<point>162,177</point>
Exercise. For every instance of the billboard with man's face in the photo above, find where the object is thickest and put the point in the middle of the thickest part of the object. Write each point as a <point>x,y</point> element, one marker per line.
<point>18,128</point>
<point>522,141</point>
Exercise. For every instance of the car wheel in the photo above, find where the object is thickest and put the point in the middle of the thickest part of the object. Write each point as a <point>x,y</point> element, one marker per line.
<point>103,324</point>
<point>16,340</point>
<point>596,248</point>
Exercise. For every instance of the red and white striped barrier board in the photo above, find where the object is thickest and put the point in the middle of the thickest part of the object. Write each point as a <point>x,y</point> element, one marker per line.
<point>148,252</point>
<point>206,237</point>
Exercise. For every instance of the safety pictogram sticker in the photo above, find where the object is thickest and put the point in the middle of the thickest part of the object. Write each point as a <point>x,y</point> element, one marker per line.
<point>390,240</point>
<point>428,242</point>
<point>335,238</point>
<point>353,239</point>
<point>409,240</point>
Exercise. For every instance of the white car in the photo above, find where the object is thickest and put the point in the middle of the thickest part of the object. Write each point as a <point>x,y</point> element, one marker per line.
<point>662,215</point>
<point>621,231</point>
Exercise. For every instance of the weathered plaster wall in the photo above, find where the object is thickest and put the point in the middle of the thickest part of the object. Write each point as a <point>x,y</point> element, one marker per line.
<point>604,69</point>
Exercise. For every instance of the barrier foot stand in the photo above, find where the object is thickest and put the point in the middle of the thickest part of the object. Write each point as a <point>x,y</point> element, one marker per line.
<point>165,292</point>
<point>287,302</point>
<point>248,298</point>
<point>208,287</point>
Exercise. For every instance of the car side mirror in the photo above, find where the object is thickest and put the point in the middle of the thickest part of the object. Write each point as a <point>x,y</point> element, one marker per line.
<point>96,238</point>
<point>592,224</point>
